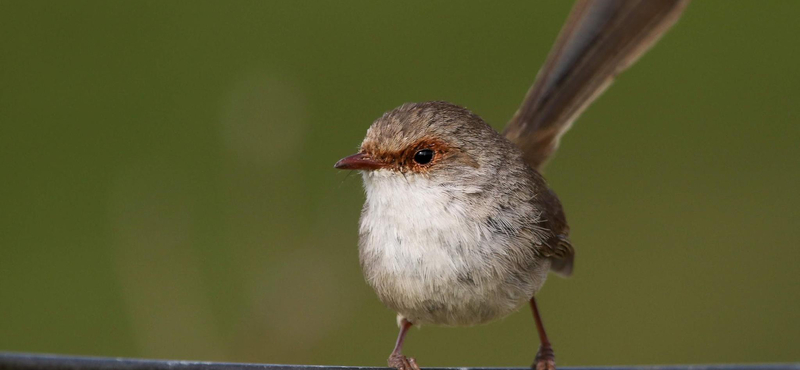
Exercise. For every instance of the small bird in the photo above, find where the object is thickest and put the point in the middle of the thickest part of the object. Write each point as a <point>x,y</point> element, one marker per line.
<point>459,227</point>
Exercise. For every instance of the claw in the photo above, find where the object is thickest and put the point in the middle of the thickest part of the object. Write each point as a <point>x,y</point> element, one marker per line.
<point>401,362</point>
<point>545,365</point>
<point>413,362</point>
<point>545,359</point>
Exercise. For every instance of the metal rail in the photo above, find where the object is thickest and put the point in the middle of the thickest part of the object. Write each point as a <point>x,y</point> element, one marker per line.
<point>25,361</point>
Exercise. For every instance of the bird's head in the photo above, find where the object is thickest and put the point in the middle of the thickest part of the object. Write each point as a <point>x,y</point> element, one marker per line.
<point>438,142</point>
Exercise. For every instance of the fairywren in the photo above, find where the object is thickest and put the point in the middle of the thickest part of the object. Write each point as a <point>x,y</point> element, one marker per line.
<point>459,227</point>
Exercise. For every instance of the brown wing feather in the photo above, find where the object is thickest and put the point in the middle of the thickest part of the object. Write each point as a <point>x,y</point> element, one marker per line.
<point>600,39</point>
<point>558,248</point>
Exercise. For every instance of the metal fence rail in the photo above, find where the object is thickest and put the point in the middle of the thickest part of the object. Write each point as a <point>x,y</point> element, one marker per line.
<point>24,361</point>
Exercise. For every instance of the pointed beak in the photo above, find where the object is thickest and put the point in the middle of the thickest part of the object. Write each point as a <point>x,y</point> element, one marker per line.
<point>359,161</point>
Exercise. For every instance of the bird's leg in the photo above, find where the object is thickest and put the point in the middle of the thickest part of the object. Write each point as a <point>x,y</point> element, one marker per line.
<point>545,358</point>
<point>396,359</point>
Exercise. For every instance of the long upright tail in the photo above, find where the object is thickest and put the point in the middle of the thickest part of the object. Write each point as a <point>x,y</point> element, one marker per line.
<point>600,39</point>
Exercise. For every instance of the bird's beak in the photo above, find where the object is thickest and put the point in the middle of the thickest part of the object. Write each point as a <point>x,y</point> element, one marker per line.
<point>360,161</point>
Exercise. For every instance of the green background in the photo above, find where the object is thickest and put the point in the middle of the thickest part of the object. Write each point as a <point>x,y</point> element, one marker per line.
<point>168,192</point>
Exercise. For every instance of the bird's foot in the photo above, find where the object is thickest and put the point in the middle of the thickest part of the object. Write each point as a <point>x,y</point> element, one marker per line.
<point>545,359</point>
<point>401,362</point>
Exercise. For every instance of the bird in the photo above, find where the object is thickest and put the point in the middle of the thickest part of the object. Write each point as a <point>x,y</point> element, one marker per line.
<point>459,226</point>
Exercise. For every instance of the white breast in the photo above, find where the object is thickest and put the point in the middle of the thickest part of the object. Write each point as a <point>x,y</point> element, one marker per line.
<point>409,219</point>
<point>424,251</point>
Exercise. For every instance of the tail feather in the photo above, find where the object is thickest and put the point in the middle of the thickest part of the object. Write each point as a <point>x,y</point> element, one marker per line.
<point>600,39</point>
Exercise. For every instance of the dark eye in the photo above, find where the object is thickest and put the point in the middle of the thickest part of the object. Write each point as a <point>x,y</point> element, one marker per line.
<point>423,156</point>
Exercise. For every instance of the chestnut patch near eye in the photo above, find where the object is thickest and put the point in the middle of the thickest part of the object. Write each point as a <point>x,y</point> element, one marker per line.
<point>420,157</point>
<point>424,156</point>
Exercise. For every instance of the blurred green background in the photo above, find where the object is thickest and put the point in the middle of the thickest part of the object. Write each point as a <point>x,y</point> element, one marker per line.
<point>168,192</point>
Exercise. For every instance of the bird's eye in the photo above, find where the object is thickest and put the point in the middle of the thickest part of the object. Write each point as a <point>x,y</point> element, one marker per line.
<point>423,156</point>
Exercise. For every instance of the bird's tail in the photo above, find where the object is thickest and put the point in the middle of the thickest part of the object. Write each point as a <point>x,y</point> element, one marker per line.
<point>600,39</point>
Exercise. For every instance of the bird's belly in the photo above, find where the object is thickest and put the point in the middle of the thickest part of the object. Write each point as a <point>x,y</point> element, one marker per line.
<point>431,257</point>
<point>448,302</point>
<point>429,279</point>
